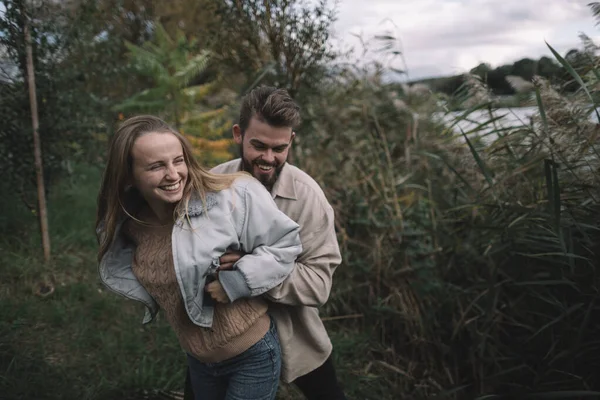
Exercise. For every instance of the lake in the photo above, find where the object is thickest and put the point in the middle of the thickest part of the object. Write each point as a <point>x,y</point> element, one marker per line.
<point>510,117</point>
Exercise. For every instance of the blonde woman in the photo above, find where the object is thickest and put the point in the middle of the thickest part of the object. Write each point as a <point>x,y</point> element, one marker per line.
<point>163,222</point>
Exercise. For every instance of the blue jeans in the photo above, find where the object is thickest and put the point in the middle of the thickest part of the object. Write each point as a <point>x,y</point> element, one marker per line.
<point>252,375</point>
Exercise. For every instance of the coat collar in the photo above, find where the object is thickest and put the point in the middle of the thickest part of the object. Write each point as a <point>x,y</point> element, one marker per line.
<point>285,186</point>
<point>196,207</point>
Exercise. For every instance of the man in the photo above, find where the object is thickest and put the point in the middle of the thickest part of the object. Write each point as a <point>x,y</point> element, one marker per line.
<point>265,133</point>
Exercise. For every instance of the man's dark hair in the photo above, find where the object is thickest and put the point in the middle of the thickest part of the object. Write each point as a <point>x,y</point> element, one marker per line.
<point>271,105</point>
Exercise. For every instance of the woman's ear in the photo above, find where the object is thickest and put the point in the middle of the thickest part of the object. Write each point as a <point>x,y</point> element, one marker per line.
<point>128,184</point>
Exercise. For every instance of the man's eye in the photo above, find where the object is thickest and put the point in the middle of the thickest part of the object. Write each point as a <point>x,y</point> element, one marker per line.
<point>279,149</point>
<point>154,167</point>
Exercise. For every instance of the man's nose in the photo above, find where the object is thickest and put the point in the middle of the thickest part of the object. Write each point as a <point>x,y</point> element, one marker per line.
<point>268,156</point>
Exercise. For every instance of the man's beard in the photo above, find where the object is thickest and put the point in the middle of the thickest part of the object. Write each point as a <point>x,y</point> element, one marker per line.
<point>267,181</point>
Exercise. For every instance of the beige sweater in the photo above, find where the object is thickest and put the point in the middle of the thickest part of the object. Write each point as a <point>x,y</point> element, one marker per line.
<point>236,326</point>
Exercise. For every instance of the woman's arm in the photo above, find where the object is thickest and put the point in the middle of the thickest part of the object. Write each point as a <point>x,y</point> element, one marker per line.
<point>270,239</point>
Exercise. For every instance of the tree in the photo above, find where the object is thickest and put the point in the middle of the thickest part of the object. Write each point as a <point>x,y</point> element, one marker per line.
<point>170,64</point>
<point>285,40</point>
<point>66,120</point>
<point>37,148</point>
<point>481,70</point>
<point>548,68</point>
<point>525,68</point>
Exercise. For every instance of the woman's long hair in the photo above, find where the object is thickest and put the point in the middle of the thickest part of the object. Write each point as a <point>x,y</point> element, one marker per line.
<point>114,194</point>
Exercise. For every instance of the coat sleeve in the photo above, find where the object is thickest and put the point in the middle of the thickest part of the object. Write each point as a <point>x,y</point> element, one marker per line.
<point>310,282</point>
<point>271,240</point>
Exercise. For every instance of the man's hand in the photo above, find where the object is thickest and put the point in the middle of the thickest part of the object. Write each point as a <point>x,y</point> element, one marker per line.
<point>229,258</point>
<point>216,291</point>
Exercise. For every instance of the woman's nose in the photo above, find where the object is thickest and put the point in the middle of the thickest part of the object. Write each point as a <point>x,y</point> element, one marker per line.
<point>172,172</point>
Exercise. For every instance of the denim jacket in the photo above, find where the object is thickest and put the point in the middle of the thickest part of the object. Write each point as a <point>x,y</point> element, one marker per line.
<point>243,217</point>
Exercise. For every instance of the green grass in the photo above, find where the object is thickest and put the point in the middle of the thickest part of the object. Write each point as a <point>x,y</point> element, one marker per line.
<point>81,341</point>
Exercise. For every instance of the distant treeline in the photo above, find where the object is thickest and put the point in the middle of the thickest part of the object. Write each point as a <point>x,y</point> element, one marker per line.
<point>525,68</point>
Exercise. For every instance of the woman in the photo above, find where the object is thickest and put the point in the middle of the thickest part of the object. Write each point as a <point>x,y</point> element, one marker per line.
<point>163,222</point>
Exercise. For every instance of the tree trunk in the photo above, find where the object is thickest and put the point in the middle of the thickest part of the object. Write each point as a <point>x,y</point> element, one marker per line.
<point>37,151</point>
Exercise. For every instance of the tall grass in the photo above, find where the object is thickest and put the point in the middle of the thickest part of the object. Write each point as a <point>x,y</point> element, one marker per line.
<point>472,262</point>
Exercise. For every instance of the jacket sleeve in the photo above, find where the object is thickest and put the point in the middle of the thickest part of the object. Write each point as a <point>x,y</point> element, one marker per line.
<point>271,240</point>
<point>309,284</point>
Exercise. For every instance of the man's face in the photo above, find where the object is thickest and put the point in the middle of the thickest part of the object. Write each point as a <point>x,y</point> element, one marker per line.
<point>264,149</point>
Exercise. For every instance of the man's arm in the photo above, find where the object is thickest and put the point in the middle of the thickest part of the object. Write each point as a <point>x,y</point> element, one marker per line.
<point>271,239</point>
<point>309,284</point>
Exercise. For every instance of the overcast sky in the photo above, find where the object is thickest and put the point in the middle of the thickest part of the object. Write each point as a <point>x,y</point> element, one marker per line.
<point>444,37</point>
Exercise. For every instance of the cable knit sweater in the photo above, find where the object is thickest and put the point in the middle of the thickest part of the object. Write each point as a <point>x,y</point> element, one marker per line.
<point>236,326</point>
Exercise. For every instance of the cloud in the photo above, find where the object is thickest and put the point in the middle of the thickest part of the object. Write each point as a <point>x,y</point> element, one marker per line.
<point>450,36</point>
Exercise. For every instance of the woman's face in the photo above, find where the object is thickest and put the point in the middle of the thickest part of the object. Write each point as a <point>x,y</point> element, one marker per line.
<point>159,169</point>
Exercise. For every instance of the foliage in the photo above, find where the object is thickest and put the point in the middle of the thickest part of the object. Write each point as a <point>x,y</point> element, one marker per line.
<point>496,78</point>
<point>211,152</point>
<point>471,259</point>
<point>63,65</point>
<point>171,63</point>
<point>283,42</point>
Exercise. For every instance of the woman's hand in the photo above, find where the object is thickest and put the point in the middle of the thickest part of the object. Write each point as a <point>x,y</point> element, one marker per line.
<point>216,291</point>
<point>229,258</point>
